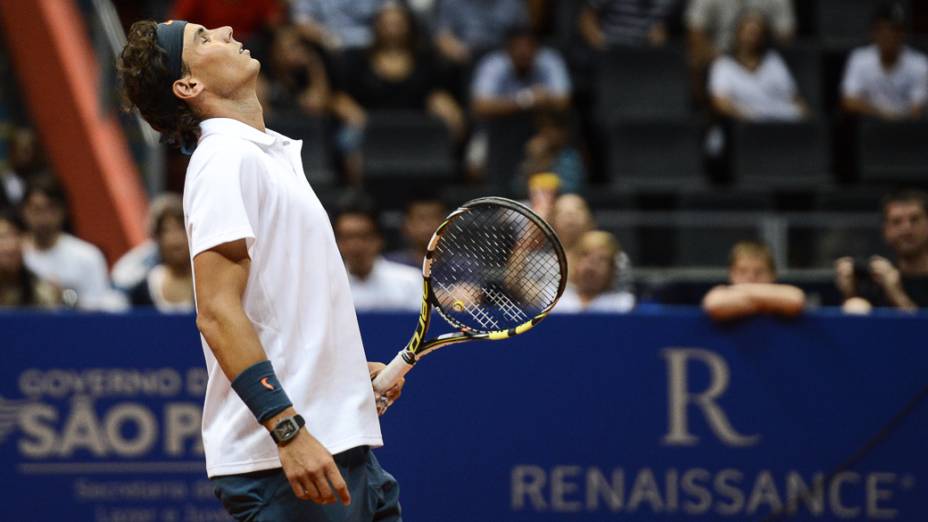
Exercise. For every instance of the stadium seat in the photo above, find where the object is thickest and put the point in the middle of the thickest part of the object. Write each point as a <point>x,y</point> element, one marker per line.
<point>893,152</point>
<point>846,23</point>
<point>658,155</point>
<point>315,151</point>
<point>780,155</point>
<point>643,83</point>
<point>506,139</point>
<point>805,63</point>
<point>848,200</point>
<point>708,244</point>
<point>401,145</point>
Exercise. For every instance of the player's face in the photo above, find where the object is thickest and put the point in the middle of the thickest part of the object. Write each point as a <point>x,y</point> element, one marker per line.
<point>358,242</point>
<point>421,221</point>
<point>172,243</point>
<point>750,269</point>
<point>217,60</point>
<point>44,216</point>
<point>905,228</point>
<point>11,259</point>
<point>595,268</point>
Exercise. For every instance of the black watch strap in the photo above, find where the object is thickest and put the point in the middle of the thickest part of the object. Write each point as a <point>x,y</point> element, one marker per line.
<point>287,429</point>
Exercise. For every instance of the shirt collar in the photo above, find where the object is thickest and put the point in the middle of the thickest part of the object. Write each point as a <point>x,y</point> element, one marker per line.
<point>230,127</point>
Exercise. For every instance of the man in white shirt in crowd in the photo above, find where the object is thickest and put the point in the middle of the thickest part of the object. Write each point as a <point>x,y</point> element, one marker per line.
<point>886,80</point>
<point>75,266</point>
<point>520,78</point>
<point>270,289</point>
<point>376,283</point>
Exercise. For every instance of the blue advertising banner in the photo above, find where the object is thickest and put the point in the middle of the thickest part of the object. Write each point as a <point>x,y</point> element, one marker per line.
<point>652,415</point>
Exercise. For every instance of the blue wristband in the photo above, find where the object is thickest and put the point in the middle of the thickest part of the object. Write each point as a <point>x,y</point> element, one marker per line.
<point>260,390</point>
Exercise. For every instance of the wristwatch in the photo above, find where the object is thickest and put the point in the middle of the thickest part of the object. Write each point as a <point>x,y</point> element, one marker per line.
<point>287,429</point>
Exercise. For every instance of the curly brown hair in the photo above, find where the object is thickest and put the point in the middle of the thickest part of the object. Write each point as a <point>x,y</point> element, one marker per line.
<point>147,84</point>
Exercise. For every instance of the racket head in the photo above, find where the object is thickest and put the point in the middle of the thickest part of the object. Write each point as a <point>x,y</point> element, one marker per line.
<point>494,268</point>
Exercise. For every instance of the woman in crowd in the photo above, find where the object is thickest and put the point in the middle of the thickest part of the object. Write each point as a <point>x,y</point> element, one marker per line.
<point>169,285</point>
<point>571,219</point>
<point>396,73</point>
<point>753,82</point>
<point>19,287</point>
<point>591,285</point>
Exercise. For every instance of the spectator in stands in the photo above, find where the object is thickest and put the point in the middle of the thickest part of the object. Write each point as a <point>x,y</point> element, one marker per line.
<point>522,77</point>
<point>395,73</point>
<point>571,219</point>
<point>752,287</point>
<point>25,161</point>
<point>168,286</point>
<point>336,25</point>
<point>130,269</point>
<point>295,80</point>
<point>713,24</point>
<point>467,29</point>
<point>550,150</point>
<point>636,23</point>
<point>19,287</point>
<point>591,284</point>
<point>886,80</point>
<point>376,284</point>
<point>422,217</point>
<point>73,265</point>
<point>753,82</point>
<point>877,282</point>
<point>543,189</point>
<point>247,18</point>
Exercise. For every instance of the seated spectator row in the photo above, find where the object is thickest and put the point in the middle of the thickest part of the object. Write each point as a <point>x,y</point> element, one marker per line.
<point>768,124</point>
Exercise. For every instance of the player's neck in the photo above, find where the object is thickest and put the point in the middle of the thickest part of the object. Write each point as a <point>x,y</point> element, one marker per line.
<point>245,108</point>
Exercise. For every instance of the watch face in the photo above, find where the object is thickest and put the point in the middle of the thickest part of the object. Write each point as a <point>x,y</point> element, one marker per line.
<point>287,429</point>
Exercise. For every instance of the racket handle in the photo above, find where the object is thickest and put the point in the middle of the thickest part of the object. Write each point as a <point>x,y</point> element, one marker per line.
<point>394,371</point>
<point>389,376</point>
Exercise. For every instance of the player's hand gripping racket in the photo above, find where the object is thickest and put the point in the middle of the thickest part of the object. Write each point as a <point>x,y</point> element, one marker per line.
<point>493,269</point>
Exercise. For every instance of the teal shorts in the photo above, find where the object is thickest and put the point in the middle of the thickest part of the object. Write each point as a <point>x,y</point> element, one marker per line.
<point>266,496</point>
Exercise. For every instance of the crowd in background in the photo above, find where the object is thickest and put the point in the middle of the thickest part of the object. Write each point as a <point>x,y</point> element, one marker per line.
<point>466,62</point>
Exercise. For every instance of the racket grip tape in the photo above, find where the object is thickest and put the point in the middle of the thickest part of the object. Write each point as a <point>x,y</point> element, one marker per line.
<point>394,371</point>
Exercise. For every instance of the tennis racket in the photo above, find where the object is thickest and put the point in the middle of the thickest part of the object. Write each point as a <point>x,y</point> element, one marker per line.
<point>493,269</point>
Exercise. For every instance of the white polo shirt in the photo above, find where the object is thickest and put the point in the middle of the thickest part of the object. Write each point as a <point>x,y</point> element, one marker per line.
<point>897,90</point>
<point>613,301</point>
<point>766,93</point>
<point>246,184</point>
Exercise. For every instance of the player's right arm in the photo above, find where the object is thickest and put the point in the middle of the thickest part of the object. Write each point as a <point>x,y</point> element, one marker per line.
<point>221,274</point>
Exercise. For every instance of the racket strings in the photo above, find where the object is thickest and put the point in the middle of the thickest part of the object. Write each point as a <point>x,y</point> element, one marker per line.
<point>494,268</point>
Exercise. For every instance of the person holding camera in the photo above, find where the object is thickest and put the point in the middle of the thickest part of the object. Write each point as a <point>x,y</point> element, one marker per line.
<point>876,281</point>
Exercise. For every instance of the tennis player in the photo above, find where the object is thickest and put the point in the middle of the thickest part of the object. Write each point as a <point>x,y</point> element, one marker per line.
<point>288,383</point>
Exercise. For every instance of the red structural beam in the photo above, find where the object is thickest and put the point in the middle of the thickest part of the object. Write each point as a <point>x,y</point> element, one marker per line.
<point>59,80</point>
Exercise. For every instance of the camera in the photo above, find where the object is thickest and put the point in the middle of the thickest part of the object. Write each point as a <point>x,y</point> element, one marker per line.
<point>864,285</point>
